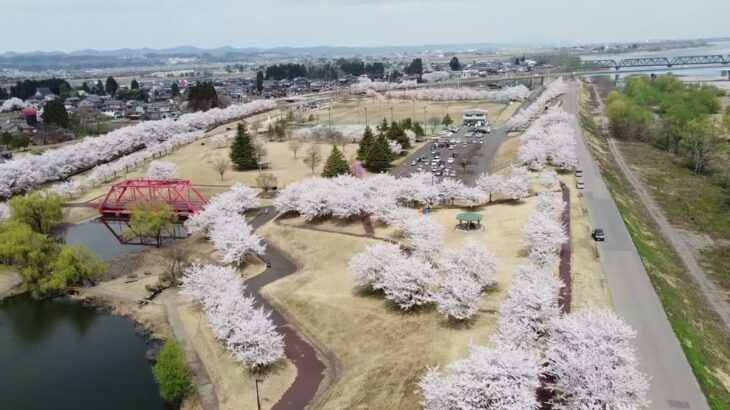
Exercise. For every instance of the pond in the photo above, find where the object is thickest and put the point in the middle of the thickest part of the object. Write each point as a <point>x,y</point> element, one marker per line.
<point>58,354</point>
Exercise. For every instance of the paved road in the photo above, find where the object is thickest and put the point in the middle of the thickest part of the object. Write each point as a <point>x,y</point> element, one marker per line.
<point>310,370</point>
<point>672,384</point>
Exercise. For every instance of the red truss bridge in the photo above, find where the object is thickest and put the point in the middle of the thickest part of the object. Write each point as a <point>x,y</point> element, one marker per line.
<point>181,195</point>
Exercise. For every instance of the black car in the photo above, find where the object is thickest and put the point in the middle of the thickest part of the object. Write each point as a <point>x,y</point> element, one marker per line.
<point>598,235</point>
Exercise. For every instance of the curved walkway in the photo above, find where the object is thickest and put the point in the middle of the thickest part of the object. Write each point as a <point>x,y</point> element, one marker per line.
<point>310,370</point>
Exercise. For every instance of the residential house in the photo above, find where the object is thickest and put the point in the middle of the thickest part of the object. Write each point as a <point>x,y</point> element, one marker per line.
<point>44,94</point>
<point>71,102</point>
<point>9,127</point>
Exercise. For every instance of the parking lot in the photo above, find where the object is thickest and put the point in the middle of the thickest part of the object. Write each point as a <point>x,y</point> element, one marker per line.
<point>445,155</point>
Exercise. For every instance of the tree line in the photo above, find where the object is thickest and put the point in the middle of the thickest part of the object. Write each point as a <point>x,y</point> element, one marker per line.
<point>682,119</point>
<point>326,71</point>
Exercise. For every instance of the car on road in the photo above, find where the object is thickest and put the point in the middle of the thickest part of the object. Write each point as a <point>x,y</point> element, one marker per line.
<point>465,144</point>
<point>578,172</point>
<point>450,160</point>
<point>579,183</point>
<point>598,235</point>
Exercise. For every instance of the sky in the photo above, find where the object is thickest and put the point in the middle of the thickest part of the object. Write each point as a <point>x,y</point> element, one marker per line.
<point>68,25</point>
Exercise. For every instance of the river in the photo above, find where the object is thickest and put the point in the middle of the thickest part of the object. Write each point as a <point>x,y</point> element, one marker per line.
<point>720,47</point>
<point>59,354</point>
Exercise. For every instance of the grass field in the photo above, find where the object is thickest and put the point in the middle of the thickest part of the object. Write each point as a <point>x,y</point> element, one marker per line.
<point>692,203</point>
<point>699,331</point>
<point>353,110</point>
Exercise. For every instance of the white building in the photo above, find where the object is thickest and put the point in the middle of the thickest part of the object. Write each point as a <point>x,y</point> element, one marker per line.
<point>475,117</point>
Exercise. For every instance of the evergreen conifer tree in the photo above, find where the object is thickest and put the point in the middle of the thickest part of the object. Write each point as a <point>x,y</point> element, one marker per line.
<point>365,143</point>
<point>336,164</point>
<point>243,153</point>
<point>379,155</point>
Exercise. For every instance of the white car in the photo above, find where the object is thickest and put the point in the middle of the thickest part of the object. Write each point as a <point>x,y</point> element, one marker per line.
<point>579,184</point>
<point>450,161</point>
<point>419,169</point>
<point>413,163</point>
<point>453,173</point>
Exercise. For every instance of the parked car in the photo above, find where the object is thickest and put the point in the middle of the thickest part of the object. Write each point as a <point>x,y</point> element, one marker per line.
<point>453,173</point>
<point>450,160</point>
<point>579,183</point>
<point>451,146</point>
<point>578,172</point>
<point>598,235</point>
<point>413,163</point>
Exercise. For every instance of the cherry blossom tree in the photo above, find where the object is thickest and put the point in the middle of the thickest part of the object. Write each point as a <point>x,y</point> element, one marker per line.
<point>517,93</point>
<point>153,137</point>
<point>219,139</point>
<point>490,184</point>
<point>436,76</point>
<point>522,117</point>
<point>235,201</point>
<point>551,204</point>
<point>472,259</point>
<point>409,282</point>
<point>458,296</point>
<point>162,170</point>
<point>592,362</point>
<point>233,239</point>
<point>516,185</point>
<point>543,234</point>
<point>549,180</point>
<point>364,85</point>
<point>12,104</point>
<point>530,306</point>
<point>247,332</point>
<point>368,266</point>
<point>501,377</point>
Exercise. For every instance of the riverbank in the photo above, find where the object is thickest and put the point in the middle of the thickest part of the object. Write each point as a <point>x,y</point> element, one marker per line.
<point>125,291</point>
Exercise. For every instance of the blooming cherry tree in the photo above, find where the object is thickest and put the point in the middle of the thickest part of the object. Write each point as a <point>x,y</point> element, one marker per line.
<point>233,239</point>
<point>501,377</point>
<point>530,306</point>
<point>367,267</point>
<point>458,296</point>
<point>162,170</point>
<point>490,184</point>
<point>593,364</point>
<point>472,259</point>
<point>247,332</point>
<point>409,282</point>
<point>543,234</point>
<point>516,185</point>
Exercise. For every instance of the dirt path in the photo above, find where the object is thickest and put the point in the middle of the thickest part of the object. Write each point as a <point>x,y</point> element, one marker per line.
<point>713,295</point>
<point>206,390</point>
<point>566,292</point>
<point>310,369</point>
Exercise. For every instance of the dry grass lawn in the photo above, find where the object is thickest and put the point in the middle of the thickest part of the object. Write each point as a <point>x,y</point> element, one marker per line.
<point>352,111</point>
<point>382,352</point>
<point>234,385</point>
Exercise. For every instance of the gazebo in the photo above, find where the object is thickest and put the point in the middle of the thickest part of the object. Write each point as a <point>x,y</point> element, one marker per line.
<point>469,221</point>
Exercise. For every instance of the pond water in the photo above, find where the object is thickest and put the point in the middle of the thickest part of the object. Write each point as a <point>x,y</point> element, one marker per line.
<point>58,354</point>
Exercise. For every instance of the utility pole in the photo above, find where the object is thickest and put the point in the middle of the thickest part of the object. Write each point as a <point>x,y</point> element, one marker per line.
<point>330,115</point>
<point>424,116</point>
<point>366,116</point>
<point>391,114</point>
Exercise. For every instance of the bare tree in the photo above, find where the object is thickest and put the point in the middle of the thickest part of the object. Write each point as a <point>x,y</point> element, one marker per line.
<point>266,181</point>
<point>177,257</point>
<point>313,157</point>
<point>433,122</point>
<point>220,165</point>
<point>294,146</point>
<point>260,150</point>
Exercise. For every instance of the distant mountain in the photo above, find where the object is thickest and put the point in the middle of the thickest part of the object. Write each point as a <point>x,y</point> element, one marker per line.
<point>292,51</point>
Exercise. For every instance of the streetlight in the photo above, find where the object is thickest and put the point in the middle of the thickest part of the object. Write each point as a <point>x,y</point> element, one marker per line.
<point>258,400</point>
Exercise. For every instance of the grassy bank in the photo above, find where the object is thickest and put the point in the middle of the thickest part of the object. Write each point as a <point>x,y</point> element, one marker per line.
<point>699,331</point>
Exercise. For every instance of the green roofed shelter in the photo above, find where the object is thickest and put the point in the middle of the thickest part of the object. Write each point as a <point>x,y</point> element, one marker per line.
<point>469,221</point>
